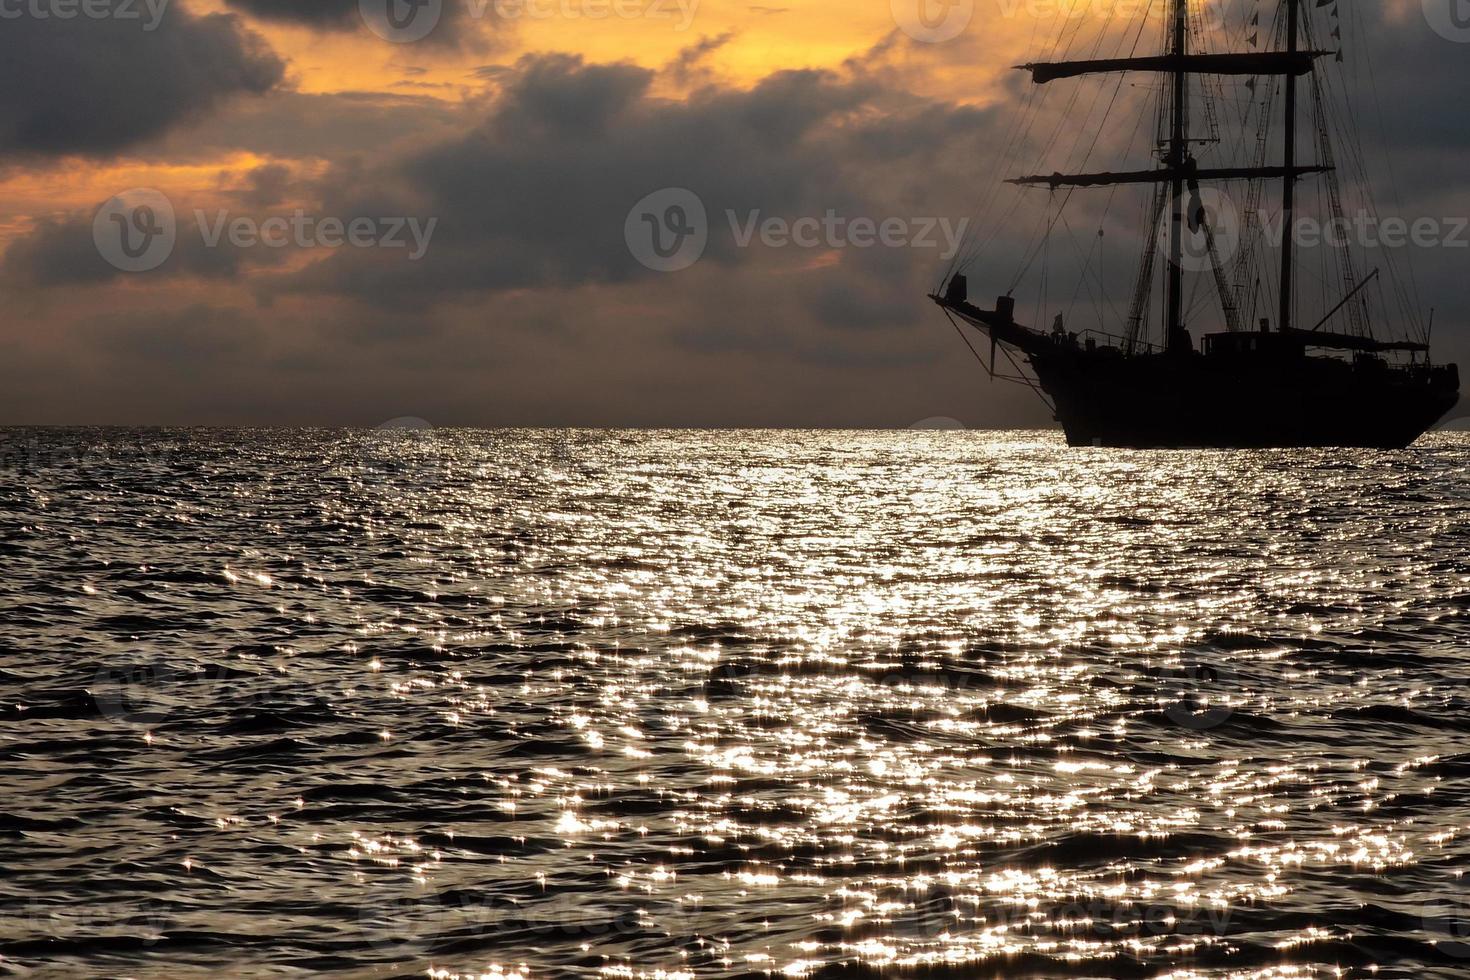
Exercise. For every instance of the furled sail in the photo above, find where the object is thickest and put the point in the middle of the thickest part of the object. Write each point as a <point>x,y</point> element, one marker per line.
<point>1242,63</point>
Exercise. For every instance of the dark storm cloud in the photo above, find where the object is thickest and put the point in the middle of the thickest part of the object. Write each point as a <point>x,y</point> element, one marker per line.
<point>62,252</point>
<point>266,186</point>
<point>528,306</point>
<point>1400,77</point>
<point>456,25</point>
<point>869,290</point>
<point>536,194</point>
<point>171,337</point>
<point>95,87</point>
<point>690,64</point>
<point>298,125</point>
<point>338,14</point>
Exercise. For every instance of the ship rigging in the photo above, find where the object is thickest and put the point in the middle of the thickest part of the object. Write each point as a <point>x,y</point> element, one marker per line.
<point>1343,381</point>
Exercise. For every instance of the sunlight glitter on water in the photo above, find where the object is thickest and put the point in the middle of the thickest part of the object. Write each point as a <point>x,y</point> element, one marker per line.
<point>706,704</point>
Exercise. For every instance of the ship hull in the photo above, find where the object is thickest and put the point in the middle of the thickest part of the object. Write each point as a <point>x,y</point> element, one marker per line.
<point>1195,401</point>
<point>1241,391</point>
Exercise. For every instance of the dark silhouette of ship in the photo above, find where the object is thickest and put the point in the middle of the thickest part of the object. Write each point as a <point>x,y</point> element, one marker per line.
<point>1274,385</point>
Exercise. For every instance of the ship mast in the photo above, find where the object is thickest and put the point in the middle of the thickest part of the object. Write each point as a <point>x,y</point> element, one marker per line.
<point>1178,169</point>
<point>1175,337</point>
<point>1288,184</point>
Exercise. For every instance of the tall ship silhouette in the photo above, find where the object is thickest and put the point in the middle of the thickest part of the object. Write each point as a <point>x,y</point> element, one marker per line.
<point>1355,373</point>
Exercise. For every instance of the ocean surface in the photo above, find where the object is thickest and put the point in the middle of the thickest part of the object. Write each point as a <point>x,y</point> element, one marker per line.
<point>551,704</point>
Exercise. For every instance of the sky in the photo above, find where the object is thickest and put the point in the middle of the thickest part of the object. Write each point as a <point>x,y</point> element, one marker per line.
<point>612,212</point>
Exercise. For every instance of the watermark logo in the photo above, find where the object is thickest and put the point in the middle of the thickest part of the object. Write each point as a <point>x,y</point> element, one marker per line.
<point>391,921</point>
<point>304,231</point>
<point>136,231</point>
<point>32,452</point>
<point>1367,230</point>
<point>401,21</point>
<point>932,21</point>
<point>926,680</point>
<point>1198,695</point>
<point>1448,915</point>
<point>152,10</point>
<point>835,231</point>
<point>136,693</point>
<point>405,446</point>
<point>403,424</point>
<point>667,230</point>
<point>1209,221</point>
<point>407,21</point>
<point>1450,19</point>
<point>683,11</point>
<point>930,911</point>
<point>147,923</point>
<point>148,693</point>
<point>934,912</point>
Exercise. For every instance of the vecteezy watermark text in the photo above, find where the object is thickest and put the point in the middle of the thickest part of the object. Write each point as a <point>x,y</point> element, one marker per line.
<point>137,231</point>
<point>1370,231</point>
<point>1216,229</point>
<point>669,230</point>
<point>149,11</point>
<point>682,11</point>
<point>832,230</point>
<point>1450,19</point>
<point>407,21</point>
<point>305,231</point>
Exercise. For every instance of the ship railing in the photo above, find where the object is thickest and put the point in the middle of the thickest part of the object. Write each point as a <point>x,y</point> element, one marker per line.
<point>1118,341</point>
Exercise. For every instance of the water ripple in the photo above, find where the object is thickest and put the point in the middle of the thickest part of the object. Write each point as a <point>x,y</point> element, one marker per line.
<point>623,704</point>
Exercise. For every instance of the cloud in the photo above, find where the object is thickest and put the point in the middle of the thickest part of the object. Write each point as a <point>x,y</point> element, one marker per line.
<point>529,307</point>
<point>324,14</point>
<point>301,125</point>
<point>532,190</point>
<point>691,63</point>
<point>97,87</point>
<point>173,337</point>
<point>535,194</point>
<point>455,25</point>
<point>60,251</point>
<point>266,185</point>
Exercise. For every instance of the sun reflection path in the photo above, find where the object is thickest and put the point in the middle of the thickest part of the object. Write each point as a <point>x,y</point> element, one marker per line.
<point>706,705</point>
